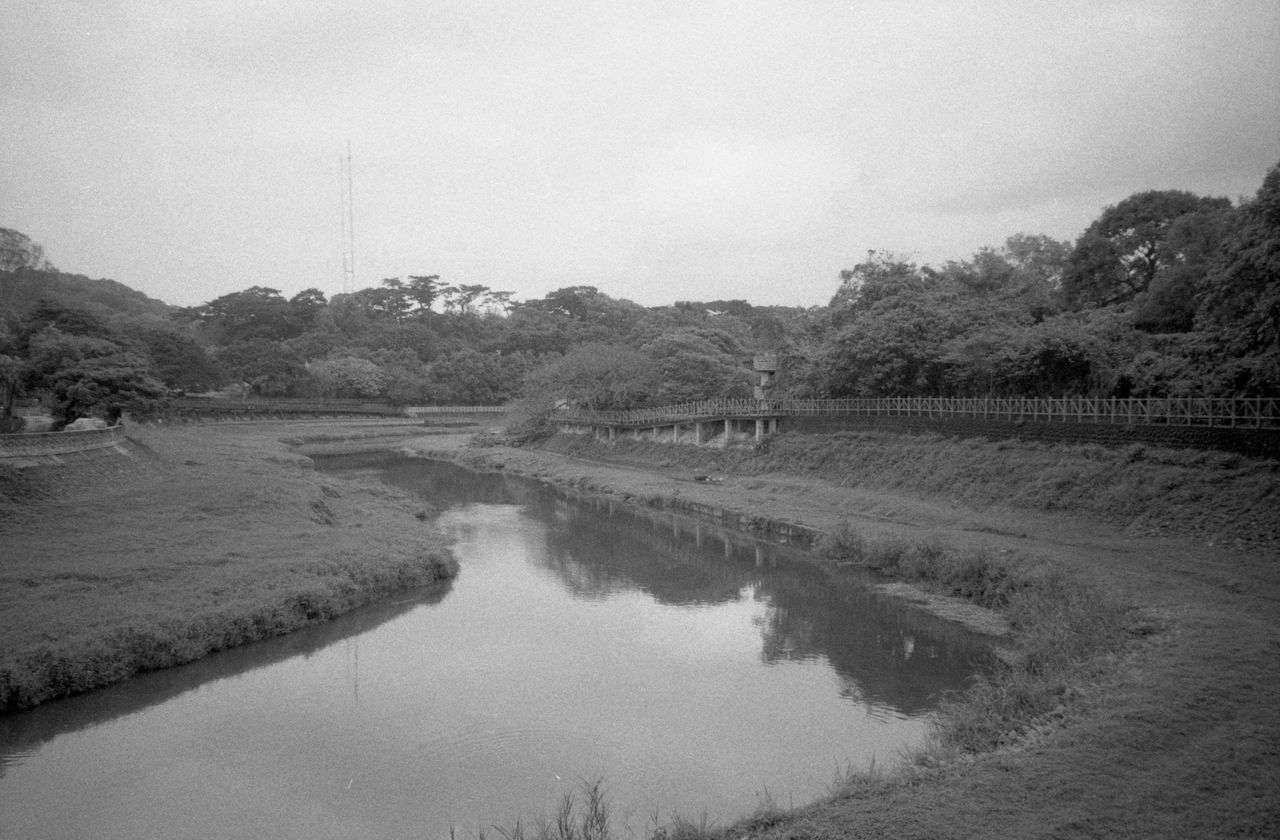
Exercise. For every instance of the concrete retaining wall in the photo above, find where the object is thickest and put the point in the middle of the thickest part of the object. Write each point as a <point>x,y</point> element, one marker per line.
<point>59,443</point>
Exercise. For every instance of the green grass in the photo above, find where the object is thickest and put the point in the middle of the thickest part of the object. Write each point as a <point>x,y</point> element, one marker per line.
<point>1062,625</point>
<point>203,539</point>
<point>1221,495</point>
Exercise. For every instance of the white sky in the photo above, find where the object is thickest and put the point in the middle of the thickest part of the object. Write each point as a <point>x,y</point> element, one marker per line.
<point>658,150</point>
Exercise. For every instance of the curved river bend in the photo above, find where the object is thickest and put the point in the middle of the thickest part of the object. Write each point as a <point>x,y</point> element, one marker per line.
<point>695,671</point>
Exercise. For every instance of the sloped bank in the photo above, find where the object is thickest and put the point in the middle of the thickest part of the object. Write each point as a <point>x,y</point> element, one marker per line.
<point>1211,496</point>
<point>187,541</point>
<point>1153,721</point>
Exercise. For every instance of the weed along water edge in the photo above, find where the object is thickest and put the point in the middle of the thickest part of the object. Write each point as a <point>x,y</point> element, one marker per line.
<point>690,668</point>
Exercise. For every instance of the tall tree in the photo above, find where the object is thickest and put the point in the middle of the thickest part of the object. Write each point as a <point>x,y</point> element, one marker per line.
<point>1240,305</point>
<point>1121,252</point>
<point>255,313</point>
<point>423,289</point>
<point>18,251</point>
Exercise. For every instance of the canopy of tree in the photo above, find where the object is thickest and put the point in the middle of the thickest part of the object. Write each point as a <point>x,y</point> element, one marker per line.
<point>1165,293</point>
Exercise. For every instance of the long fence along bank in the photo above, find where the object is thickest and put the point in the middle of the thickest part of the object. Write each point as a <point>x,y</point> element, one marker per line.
<point>1249,426</point>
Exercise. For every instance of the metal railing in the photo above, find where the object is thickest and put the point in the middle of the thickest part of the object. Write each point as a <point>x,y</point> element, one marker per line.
<point>416,410</point>
<point>1257,413</point>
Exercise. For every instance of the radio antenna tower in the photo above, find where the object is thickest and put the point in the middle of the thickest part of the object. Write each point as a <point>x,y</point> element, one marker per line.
<point>348,223</point>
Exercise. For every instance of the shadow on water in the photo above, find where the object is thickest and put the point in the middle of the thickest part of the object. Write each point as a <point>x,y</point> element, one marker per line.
<point>885,652</point>
<point>22,732</point>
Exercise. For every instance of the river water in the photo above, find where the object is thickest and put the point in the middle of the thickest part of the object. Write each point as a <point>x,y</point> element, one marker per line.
<point>691,670</point>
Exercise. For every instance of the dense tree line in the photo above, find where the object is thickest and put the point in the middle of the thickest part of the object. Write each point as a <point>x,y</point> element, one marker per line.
<point>1166,293</point>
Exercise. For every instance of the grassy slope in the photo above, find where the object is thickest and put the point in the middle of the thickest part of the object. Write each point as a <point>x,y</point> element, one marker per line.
<point>1216,496</point>
<point>205,538</point>
<point>1175,733</point>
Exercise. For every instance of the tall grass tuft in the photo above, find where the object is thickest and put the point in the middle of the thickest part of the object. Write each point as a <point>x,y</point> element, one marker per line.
<point>588,820</point>
<point>978,574</point>
<point>1062,624</point>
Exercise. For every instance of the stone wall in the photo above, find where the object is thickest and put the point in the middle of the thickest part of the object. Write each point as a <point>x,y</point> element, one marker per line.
<point>1255,443</point>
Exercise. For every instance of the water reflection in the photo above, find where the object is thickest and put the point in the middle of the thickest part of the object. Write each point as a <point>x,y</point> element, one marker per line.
<point>884,654</point>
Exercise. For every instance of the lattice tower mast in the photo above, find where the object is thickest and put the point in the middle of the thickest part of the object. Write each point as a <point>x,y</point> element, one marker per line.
<point>348,222</point>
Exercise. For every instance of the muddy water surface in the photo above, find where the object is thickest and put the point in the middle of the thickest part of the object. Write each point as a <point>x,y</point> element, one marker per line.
<point>692,670</point>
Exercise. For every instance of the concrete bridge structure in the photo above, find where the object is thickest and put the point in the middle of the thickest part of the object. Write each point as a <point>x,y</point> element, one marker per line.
<point>708,428</point>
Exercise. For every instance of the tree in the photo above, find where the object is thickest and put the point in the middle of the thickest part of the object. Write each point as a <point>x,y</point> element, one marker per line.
<point>1193,242</point>
<point>500,300</point>
<point>257,313</point>
<point>882,275</point>
<point>1239,309</point>
<point>698,365</point>
<point>459,299</point>
<point>269,368</point>
<point>81,375</point>
<point>347,376</point>
<point>18,251</point>
<point>423,289</point>
<point>107,385</point>
<point>392,299</point>
<point>179,362</point>
<point>1121,252</point>
<point>896,348</point>
<point>305,306</point>
<point>1073,354</point>
<point>12,371</point>
<point>469,377</point>
<point>600,377</point>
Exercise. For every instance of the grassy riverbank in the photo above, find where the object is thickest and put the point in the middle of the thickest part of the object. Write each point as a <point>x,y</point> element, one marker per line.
<point>1211,496</point>
<point>201,538</point>
<point>1141,704</point>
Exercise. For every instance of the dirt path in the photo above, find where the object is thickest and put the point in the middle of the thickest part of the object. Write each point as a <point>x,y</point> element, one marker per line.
<point>1180,739</point>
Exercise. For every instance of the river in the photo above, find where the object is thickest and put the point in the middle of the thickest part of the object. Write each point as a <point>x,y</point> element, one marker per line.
<point>691,670</point>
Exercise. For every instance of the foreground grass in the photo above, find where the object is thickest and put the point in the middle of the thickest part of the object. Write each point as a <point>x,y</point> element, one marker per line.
<point>203,538</point>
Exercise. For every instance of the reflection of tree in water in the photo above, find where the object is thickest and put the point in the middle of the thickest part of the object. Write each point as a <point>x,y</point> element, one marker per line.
<point>885,653</point>
<point>597,554</point>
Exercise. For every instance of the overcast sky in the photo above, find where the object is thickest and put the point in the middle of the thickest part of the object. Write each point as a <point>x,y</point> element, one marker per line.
<point>658,150</point>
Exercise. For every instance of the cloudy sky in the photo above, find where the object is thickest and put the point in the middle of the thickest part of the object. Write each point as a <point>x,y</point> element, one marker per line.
<point>658,150</point>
